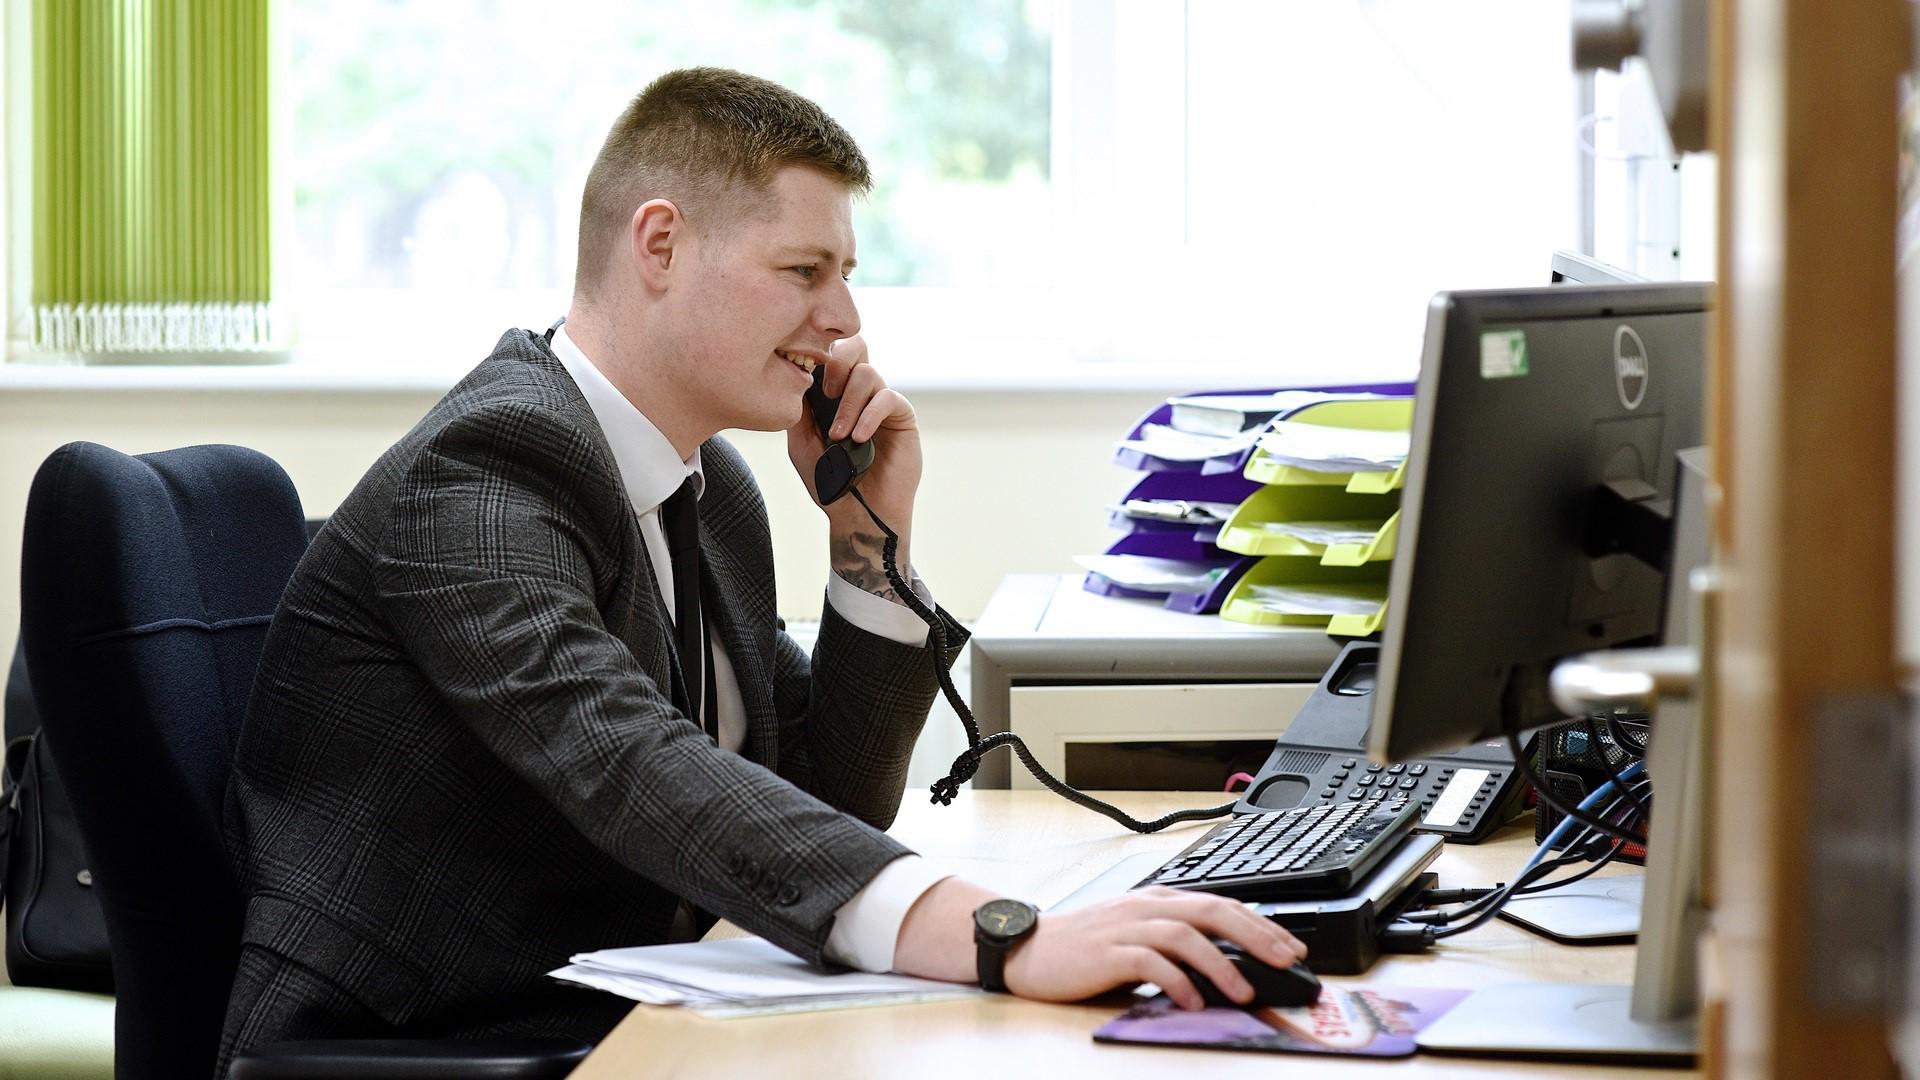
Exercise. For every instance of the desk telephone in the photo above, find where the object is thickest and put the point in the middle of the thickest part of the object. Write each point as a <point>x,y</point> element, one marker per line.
<point>1321,759</point>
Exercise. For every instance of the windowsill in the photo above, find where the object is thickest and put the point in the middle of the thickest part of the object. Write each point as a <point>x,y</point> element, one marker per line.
<point>332,377</point>
<point>293,377</point>
<point>924,340</point>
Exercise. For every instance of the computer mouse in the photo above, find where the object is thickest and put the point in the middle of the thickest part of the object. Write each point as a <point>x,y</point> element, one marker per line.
<point>1278,987</point>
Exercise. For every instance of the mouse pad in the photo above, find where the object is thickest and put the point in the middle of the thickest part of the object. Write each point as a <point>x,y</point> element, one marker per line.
<point>1370,1021</point>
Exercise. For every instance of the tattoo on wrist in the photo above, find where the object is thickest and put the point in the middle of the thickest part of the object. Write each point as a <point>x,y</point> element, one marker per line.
<point>857,558</point>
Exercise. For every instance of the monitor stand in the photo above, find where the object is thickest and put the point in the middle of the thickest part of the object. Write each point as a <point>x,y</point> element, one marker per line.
<point>1595,911</point>
<point>1559,1020</point>
<point>1652,1021</point>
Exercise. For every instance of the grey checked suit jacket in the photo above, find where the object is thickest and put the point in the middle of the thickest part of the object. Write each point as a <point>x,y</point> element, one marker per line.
<point>462,764</point>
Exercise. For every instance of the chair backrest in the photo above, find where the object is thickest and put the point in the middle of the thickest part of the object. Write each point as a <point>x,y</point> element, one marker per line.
<point>147,584</point>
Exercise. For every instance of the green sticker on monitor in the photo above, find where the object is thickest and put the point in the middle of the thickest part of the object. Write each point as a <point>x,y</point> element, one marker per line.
<point>1503,354</point>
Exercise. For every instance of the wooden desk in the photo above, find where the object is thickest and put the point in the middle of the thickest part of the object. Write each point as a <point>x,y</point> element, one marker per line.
<point>1034,845</point>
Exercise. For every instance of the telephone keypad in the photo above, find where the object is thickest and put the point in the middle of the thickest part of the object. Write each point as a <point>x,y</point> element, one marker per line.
<point>1423,782</point>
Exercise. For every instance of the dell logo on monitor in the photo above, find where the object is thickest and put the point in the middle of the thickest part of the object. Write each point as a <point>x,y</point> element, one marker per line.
<point>1629,366</point>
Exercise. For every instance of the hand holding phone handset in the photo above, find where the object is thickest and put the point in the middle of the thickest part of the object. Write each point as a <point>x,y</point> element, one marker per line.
<point>833,476</point>
<point>845,460</point>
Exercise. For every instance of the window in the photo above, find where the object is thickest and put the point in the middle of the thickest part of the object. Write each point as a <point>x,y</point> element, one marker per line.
<point>1071,193</point>
<point>438,161</point>
<point>1082,193</point>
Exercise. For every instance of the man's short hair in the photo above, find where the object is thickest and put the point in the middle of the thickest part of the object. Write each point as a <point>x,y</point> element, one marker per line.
<point>711,140</point>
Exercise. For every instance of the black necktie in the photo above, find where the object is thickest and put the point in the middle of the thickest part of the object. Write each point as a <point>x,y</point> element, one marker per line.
<point>680,517</point>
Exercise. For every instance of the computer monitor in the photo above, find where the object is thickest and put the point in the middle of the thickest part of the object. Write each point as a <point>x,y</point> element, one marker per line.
<point>1534,522</point>
<point>1555,431</point>
<point>1575,268</point>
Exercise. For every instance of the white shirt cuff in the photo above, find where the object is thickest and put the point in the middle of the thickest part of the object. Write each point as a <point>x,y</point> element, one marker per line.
<point>878,615</point>
<point>866,927</point>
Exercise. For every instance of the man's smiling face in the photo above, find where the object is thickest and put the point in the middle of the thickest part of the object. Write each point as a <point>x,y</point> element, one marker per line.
<point>763,299</point>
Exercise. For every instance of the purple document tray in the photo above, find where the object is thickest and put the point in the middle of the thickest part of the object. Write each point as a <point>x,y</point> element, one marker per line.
<point>1207,603</point>
<point>1216,487</point>
<point>1164,545</point>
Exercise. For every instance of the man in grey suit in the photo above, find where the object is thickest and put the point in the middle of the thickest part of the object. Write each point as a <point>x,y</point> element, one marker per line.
<point>485,736</point>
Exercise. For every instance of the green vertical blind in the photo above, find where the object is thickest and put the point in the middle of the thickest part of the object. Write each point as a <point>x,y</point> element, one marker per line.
<point>152,199</point>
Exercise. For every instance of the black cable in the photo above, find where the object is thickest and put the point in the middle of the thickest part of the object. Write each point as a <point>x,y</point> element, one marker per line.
<point>1542,789</point>
<point>1528,884</point>
<point>1613,773</point>
<point>1500,899</point>
<point>1495,896</point>
<point>1489,902</point>
<point>968,762</point>
<point>1486,915</point>
<point>1625,739</point>
<point>1614,848</point>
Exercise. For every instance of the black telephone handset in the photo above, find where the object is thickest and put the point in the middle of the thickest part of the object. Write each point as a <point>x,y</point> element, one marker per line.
<point>843,460</point>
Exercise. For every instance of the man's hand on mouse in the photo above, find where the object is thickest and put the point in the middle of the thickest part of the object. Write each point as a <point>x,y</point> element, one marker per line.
<point>1142,936</point>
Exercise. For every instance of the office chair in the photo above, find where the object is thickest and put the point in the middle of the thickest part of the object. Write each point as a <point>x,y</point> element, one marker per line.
<point>147,584</point>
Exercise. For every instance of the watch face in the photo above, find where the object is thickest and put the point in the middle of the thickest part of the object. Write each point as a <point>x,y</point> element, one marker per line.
<point>1005,919</point>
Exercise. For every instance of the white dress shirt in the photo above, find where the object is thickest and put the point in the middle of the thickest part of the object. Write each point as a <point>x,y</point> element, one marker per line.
<point>866,927</point>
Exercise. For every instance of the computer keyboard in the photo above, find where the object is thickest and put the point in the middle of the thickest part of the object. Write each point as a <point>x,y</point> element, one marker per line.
<point>1308,851</point>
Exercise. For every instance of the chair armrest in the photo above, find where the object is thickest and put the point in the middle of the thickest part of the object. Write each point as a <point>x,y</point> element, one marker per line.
<point>411,1059</point>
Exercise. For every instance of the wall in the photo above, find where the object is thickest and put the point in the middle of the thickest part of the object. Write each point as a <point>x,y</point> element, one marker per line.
<point>1014,482</point>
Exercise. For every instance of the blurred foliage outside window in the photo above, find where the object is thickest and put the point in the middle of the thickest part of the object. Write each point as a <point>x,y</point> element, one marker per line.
<point>443,146</point>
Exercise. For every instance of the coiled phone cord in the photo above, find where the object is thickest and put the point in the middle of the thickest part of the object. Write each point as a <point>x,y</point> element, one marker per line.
<point>968,762</point>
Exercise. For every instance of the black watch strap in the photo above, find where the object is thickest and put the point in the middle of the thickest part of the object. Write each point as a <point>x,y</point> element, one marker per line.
<point>999,926</point>
<point>992,962</point>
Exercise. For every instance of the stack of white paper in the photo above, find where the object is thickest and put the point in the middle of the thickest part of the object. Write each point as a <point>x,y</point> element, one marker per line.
<point>1150,574</point>
<point>1356,598</point>
<point>1168,444</point>
<point>1326,532</point>
<point>1188,511</point>
<point>1225,414</point>
<point>1320,448</point>
<point>741,977</point>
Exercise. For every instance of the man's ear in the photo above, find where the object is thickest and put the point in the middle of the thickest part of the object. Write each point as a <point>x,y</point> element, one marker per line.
<point>657,228</point>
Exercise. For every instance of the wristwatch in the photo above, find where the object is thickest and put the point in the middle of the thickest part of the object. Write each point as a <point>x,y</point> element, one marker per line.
<point>998,926</point>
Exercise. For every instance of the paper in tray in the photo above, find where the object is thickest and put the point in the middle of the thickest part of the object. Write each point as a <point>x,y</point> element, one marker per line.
<point>1232,488</point>
<point>1252,531</point>
<point>1174,547</point>
<point>1129,454</point>
<point>1304,574</point>
<point>1362,420</point>
<point>1222,569</point>
<point>1208,601</point>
